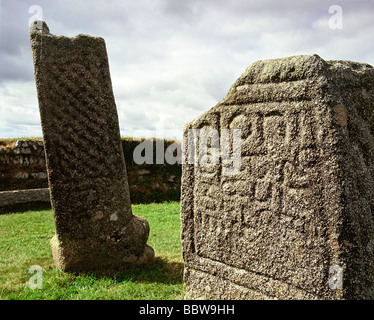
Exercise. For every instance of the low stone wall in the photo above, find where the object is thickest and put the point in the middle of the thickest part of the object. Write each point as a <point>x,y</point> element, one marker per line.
<point>23,196</point>
<point>22,166</point>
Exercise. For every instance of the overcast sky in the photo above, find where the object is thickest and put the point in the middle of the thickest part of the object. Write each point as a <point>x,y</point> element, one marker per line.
<point>171,60</point>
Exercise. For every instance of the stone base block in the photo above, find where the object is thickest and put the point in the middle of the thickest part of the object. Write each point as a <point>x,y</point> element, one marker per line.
<point>104,256</point>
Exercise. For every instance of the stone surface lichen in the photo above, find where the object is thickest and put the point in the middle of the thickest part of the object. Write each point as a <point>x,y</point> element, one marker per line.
<point>302,203</point>
<point>84,157</point>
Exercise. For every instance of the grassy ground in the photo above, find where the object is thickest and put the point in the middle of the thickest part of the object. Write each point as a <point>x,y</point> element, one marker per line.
<point>25,233</point>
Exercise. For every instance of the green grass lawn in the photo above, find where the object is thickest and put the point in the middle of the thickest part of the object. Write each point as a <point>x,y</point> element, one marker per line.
<point>25,232</point>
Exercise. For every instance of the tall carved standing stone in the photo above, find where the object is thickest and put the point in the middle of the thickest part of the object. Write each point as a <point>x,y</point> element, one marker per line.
<point>95,228</point>
<point>297,219</point>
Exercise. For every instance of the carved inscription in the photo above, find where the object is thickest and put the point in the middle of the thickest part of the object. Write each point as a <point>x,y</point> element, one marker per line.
<point>301,203</point>
<point>267,202</point>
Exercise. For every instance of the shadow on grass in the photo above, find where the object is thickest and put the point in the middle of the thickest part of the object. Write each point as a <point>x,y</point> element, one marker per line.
<point>24,207</point>
<point>161,271</point>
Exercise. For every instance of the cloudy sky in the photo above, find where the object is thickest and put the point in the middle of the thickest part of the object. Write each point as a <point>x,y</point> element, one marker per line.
<point>171,60</point>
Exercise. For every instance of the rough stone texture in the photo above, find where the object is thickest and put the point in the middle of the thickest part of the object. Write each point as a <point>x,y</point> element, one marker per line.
<point>95,228</point>
<point>24,196</point>
<point>303,200</point>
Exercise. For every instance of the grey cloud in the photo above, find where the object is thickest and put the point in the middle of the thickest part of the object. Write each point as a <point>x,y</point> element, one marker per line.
<point>16,68</point>
<point>15,52</point>
<point>176,59</point>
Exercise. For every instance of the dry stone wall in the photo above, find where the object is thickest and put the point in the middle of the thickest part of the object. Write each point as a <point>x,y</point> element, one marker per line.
<point>22,166</point>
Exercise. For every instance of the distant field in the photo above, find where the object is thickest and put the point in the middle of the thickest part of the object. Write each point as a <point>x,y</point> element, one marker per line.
<point>25,232</point>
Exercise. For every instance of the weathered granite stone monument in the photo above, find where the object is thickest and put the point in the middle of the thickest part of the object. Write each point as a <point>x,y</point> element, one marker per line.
<point>95,228</point>
<point>296,221</point>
